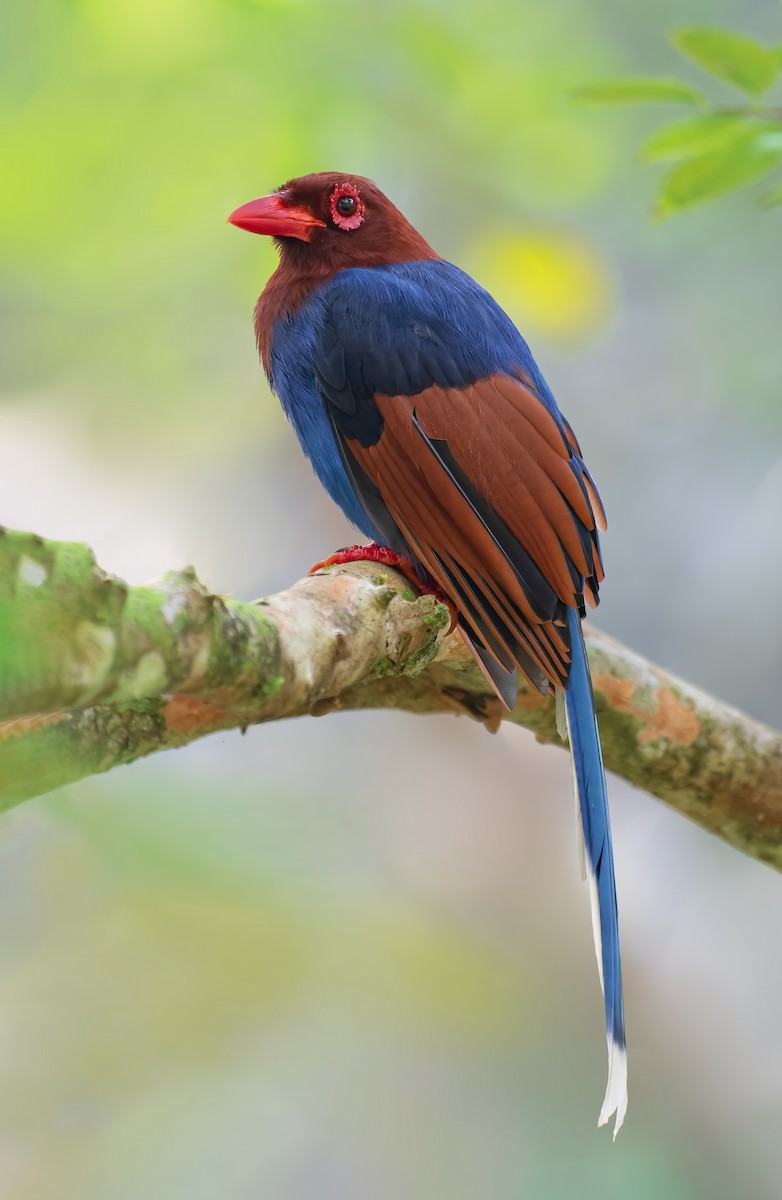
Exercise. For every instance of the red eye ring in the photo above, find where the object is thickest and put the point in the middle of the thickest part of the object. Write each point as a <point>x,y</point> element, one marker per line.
<point>347,208</point>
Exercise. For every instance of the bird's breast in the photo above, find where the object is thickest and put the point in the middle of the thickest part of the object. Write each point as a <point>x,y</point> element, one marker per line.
<point>293,379</point>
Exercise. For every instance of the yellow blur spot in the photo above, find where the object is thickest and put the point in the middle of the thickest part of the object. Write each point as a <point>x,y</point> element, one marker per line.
<point>549,282</point>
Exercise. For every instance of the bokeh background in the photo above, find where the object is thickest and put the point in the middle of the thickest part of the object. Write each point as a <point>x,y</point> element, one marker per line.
<point>351,958</point>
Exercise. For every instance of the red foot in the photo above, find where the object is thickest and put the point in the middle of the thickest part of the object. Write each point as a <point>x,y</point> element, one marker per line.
<point>389,558</point>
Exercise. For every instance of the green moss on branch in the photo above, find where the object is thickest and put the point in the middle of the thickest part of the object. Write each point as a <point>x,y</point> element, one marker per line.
<point>94,673</point>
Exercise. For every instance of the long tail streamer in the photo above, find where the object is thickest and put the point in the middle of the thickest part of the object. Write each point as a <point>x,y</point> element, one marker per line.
<point>592,803</point>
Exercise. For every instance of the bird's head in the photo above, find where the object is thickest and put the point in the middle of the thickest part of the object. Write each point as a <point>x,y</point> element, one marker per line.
<point>330,220</point>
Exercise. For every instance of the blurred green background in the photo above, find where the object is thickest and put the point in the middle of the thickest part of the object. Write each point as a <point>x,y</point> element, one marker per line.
<point>351,958</point>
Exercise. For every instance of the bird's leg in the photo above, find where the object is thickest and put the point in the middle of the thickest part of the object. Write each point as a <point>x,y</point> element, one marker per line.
<point>389,558</point>
<point>369,553</point>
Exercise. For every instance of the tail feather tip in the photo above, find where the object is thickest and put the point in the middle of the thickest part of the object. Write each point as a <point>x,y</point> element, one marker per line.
<point>616,1092</point>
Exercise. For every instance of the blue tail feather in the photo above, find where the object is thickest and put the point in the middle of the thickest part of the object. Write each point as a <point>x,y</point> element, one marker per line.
<point>592,798</point>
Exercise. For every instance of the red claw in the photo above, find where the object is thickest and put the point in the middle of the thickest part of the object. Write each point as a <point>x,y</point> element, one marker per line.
<point>389,558</point>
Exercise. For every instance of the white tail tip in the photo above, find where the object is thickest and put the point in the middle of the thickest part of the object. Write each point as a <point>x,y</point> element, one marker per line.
<point>616,1092</point>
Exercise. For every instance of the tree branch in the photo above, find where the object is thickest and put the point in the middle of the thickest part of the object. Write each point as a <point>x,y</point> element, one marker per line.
<point>94,673</point>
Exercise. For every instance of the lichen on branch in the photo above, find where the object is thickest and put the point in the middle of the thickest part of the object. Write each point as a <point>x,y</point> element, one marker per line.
<point>94,673</point>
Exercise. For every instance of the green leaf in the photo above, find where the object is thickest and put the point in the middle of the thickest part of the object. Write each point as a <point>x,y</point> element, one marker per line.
<point>772,198</point>
<point>737,59</point>
<point>638,88</point>
<point>720,171</point>
<point>690,136</point>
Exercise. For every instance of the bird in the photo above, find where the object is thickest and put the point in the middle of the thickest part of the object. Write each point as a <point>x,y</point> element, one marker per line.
<point>427,420</point>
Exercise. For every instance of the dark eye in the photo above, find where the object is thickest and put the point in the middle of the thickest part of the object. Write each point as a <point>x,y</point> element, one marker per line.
<point>347,210</point>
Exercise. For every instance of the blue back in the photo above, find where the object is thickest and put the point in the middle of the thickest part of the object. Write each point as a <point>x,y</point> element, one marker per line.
<point>415,324</point>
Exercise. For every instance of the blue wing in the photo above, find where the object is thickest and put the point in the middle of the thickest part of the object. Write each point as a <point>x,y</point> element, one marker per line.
<point>395,330</point>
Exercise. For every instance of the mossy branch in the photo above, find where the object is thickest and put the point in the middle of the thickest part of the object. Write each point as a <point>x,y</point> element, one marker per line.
<point>94,674</point>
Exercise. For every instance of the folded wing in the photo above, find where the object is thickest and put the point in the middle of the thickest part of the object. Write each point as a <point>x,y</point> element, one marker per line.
<point>493,500</point>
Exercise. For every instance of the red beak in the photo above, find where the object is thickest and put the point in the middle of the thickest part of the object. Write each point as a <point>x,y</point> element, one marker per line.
<point>272,216</point>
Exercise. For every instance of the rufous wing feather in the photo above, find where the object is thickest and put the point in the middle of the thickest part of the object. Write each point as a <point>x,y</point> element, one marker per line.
<point>489,493</point>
